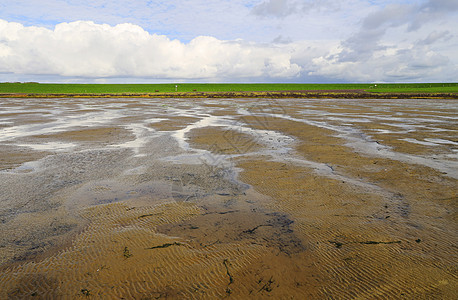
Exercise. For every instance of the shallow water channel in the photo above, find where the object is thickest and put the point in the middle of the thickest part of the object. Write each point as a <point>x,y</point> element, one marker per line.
<point>240,198</point>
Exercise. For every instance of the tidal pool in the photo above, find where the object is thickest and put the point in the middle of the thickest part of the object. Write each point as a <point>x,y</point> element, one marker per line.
<point>237,198</point>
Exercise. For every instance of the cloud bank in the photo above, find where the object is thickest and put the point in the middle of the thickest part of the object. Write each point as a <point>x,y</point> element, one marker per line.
<point>86,49</point>
<point>390,41</point>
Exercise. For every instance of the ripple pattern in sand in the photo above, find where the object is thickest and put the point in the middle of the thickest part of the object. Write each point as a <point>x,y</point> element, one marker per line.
<point>120,255</point>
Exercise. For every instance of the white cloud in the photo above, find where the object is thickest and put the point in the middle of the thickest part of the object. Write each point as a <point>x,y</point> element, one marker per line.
<point>86,49</point>
<point>398,42</point>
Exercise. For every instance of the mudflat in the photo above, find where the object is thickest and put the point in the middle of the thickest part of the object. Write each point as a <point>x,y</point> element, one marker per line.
<point>145,198</point>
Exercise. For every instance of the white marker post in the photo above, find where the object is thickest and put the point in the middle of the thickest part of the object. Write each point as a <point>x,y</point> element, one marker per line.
<point>176,88</point>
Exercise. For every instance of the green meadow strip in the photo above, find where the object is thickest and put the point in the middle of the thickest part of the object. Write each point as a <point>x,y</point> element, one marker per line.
<point>167,88</point>
<point>281,90</point>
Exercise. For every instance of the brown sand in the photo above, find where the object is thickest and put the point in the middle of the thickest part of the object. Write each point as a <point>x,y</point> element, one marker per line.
<point>102,136</point>
<point>223,141</point>
<point>12,156</point>
<point>173,123</point>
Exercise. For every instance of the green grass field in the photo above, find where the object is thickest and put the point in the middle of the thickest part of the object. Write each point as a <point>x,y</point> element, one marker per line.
<point>47,88</point>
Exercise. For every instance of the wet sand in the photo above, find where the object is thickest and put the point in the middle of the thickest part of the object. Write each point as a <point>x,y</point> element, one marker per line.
<point>228,198</point>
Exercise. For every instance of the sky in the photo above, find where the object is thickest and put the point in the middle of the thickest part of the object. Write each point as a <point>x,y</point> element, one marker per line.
<point>304,41</point>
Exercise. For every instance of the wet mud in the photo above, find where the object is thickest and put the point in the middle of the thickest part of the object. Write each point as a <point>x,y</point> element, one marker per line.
<point>228,198</point>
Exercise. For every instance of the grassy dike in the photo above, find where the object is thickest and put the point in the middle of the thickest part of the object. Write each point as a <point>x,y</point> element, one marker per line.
<point>231,90</point>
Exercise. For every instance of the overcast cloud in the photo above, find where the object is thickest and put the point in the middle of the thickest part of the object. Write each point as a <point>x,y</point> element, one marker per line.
<point>224,41</point>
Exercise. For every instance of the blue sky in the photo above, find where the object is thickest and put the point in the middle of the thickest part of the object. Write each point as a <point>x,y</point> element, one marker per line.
<point>229,41</point>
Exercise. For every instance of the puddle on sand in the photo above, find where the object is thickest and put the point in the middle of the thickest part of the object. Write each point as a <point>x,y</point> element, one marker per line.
<point>331,212</point>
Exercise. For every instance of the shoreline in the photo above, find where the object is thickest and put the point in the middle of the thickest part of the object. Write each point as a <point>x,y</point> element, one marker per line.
<point>270,94</point>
